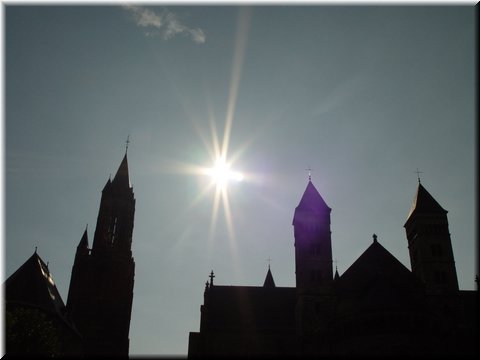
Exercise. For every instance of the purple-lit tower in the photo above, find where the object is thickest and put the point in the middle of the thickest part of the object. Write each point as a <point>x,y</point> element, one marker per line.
<point>101,287</point>
<point>313,241</point>
<point>313,268</point>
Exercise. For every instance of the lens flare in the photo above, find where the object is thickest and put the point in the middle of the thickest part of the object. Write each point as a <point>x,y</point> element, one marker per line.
<point>221,173</point>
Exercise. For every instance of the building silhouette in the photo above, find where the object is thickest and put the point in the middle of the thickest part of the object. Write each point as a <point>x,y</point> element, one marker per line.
<point>376,307</point>
<point>36,319</point>
<point>99,304</point>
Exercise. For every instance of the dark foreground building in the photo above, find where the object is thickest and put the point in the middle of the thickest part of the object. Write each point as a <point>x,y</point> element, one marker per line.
<point>377,307</point>
<point>96,319</point>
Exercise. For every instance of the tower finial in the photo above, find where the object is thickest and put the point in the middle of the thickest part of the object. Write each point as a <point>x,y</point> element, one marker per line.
<point>374,238</point>
<point>418,175</point>
<point>269,260</point>
<point>211,278</point>
<point>309,169</point>
<point>126,143</point>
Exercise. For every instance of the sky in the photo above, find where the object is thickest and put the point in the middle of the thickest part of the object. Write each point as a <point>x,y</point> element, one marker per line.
<point>362,95</point>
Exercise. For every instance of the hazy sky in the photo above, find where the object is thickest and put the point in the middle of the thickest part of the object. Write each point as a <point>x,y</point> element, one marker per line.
<point>362,95</point>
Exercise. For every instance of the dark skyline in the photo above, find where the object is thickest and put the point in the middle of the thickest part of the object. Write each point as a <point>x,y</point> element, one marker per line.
<point>362,95</point>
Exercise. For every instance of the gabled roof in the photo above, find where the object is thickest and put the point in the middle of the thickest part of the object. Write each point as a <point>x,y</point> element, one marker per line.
<point>311,202</point>
<point>377,280</point>
<point>122,178</point>
<point>376,262</point>
<point>424,203</point>
<point>32,284</point>
<point>269,283</point>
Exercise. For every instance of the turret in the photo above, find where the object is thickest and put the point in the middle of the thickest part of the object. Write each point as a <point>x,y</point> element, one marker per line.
<point>429,243</point>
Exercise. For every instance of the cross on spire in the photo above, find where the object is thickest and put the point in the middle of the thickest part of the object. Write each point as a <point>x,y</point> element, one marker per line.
<point>127,142</point>
<point>309,169</point>
<point>418,174</point>
<point>211,278</point>
<point>269,260</point>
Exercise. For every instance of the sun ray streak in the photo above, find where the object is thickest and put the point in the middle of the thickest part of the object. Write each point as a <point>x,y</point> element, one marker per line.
<point>239,54</point>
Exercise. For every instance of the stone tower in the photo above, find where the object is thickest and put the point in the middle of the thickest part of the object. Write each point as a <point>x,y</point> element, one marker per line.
<point>101,286</point>
<point>313,243</point>
<point>429,244</point>
<point>313,267</point>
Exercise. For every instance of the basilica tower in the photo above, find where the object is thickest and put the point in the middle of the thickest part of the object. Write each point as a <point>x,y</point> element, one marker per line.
<point>429,243</point>
<point>101,286</point>
<point>313,267</point>
<point>313,244</point>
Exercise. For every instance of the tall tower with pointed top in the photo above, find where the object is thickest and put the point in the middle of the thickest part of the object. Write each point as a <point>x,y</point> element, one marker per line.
<point>101,286</point>
<point>429,243</point>
<point>313,244</point>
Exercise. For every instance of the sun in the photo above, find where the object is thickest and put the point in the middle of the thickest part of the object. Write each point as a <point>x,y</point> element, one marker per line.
<point>221,173</point>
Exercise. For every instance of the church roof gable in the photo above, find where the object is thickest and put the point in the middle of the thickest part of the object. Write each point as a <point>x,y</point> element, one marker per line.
<point>377,280</point>
<point>32,284</point>
<point>376,263</point>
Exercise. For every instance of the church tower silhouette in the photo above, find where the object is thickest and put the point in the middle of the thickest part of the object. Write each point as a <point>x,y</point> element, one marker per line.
<point>101,286</point>
<point>429,244</point>
<point>313,243</point>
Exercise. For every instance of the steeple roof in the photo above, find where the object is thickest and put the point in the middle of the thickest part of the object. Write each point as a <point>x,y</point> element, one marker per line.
<point>269,283</point>
<point>83,244</point>
<point>311,202</point>
<point>424,203</point>
<point>121,177</point>
<point>32,284</point>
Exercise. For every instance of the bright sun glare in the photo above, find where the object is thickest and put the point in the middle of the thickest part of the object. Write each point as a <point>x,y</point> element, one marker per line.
<point>221,173</point>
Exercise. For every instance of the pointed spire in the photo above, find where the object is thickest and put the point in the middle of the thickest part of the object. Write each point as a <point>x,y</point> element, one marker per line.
<point>82,248</point>
<point>83,244</point>
<point>425,203</point>
<point>121,177</point>
<point>269,283</point>
<point>311,202</point>
<point>311,199</point>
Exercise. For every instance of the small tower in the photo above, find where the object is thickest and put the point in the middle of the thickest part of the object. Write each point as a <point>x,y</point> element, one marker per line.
<point>101,287</point>
<point>313,244</point>
<point>429,243</point>
<point>313,267</point>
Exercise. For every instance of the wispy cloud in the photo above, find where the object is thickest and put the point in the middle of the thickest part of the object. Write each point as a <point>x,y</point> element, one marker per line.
<point>164,24</point>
